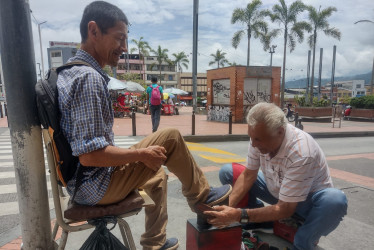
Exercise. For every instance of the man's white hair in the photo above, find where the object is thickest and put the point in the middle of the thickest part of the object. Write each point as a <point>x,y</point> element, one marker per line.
<point>269,114</point>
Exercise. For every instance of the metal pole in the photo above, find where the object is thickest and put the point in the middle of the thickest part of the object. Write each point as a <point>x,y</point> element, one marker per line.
<point>194,51</point>
<point>307,79</point>
<point>133,122</point>
<point>320,73</point>
<point>333,75</point>
<point>193,122</point>
<point>230,123</point>
<point>41,48</point>
<point>372,80</point>
<point>18,57</point>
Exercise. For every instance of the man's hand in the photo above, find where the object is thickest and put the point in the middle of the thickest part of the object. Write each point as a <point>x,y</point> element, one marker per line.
<point>223,216</point>
<point>154,157</point>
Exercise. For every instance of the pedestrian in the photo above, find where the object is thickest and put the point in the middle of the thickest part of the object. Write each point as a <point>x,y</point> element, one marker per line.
<point>111,173</point>
<point>154,97</point>
<point>294,178</point>
<point>170,101</point>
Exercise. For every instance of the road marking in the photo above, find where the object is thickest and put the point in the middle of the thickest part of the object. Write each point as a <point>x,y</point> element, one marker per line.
<point>8,208</point>
<point>4,175</point>
<point>214,155</point>
<point>223,160</point>
<point>12,188</point>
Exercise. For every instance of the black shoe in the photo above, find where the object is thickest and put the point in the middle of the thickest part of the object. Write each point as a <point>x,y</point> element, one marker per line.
<point>170,244</point>
<point>265,227</point>
<point>218,195</point>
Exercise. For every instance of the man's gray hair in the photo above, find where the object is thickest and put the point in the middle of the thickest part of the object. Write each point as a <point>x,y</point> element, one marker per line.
<point>269,114</point>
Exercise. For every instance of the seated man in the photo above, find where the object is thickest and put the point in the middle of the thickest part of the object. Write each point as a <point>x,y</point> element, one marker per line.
<point>110,173</point>
<point>294,178</point>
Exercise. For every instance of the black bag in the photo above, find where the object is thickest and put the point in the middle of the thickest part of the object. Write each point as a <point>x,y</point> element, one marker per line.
<point>101,238</point>
<point>48,110</point>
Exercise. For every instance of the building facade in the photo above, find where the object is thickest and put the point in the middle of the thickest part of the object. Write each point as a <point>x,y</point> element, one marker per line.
<point>60,52</point>
<point>236,89</point>
<point>185,82</point>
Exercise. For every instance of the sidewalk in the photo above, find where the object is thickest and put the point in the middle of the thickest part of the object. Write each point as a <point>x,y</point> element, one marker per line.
<point>179,213</point>
<point>203,127</point>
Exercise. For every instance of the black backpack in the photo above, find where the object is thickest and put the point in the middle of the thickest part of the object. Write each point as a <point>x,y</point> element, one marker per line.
<point>48,110</point>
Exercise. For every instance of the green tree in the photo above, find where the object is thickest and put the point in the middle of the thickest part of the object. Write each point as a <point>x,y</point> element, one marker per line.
<point>143,49</point>
<point>219,58</point>
<point>253,19</point>
<point>286,16</point>
<point>180,60</point>
<point>318,21</point>
<point>161,56</point>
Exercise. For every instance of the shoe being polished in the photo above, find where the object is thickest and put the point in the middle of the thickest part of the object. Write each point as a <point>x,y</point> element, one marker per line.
<point>218,195</point>
<point>170,244</point>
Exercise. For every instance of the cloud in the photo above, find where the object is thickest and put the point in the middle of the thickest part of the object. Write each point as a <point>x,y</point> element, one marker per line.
<point>169,23</point>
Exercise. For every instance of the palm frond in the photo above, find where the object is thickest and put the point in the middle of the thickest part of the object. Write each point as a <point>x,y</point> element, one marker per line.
<point>237,38</point>
<point>333,32</point>
<point>310,41</point>
<point>238,15</point>
<point>291,42</point>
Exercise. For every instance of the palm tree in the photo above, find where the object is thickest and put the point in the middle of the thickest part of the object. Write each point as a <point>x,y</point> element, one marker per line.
<point>219,58</point>
<point>267,37</point>
<point>181,60</point>
<point>143,48</point>
<point>318,21</point>
<point>287,17</point>
<point>253,19</point>
<point>162,56</point>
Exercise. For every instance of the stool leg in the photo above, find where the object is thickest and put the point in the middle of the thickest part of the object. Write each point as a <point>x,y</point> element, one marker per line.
<point>126,234</point>
<point>64,238</point>
<point>54,232</point>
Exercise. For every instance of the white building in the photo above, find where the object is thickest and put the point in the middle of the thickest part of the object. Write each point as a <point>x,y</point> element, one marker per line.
<point>356,86</point>
<point>60,52</point>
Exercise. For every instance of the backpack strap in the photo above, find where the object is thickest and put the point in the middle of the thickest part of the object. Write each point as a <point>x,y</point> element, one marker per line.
<point>71,64</point>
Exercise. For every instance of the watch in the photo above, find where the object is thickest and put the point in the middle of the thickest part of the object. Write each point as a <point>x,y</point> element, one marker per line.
<point>244,218</point>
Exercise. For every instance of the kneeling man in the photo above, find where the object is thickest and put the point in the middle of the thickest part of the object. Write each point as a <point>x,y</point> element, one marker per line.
<point>294,178</point>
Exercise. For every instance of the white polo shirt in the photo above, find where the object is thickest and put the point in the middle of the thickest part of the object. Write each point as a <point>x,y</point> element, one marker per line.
<point>299,168</point>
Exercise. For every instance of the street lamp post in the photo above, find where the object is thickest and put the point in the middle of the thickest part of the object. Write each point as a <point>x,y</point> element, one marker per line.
<point>41,48</point>
<point>272,50</point>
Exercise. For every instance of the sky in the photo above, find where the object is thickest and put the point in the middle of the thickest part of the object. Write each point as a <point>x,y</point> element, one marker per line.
<point>169,23</point>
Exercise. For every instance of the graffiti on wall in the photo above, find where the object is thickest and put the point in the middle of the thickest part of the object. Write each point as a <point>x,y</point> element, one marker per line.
<point>221,91</point>
<point>218,113</point>
<point>256,90</point>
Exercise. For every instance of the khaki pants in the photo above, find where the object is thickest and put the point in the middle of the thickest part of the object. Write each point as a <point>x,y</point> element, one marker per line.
<point>179,161</point>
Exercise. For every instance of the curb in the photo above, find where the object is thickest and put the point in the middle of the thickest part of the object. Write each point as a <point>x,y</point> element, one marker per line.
<point>220,138</point>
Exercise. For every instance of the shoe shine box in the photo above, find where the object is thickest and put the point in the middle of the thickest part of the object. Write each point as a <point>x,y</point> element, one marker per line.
<point>284,231</point>
<point>208,238</point>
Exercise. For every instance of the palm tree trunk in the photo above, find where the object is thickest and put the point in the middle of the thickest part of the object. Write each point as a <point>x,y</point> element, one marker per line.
<point>218,64</point>
<point>140,67</point>
<point>284,67</point>
<point>248,48</point>
<point>143,75</point>
<point>314,57</point>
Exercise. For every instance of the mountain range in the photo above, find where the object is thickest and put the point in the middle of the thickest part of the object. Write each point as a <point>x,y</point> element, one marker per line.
<point>301,83</point>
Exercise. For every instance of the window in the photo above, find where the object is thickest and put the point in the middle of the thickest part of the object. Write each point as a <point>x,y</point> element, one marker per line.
<point>170,77</point>
<point>56,54</point>
<point>358,86</point>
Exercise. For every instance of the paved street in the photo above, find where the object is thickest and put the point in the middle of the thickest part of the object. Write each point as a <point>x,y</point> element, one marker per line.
<point>350,160</point>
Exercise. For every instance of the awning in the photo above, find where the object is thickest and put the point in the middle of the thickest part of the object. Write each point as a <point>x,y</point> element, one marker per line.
<point>185,97</point>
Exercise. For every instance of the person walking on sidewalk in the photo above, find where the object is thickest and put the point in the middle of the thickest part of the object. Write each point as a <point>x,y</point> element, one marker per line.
<point>154,97</point>
<point>294,178</point>
<point>111,173</point>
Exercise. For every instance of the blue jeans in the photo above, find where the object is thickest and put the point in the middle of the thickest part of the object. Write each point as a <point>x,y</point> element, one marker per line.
<point>155,116</point>
<point>322,210</point>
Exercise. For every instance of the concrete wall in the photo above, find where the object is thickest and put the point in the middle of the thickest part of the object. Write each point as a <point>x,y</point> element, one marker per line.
<point>236,89</point>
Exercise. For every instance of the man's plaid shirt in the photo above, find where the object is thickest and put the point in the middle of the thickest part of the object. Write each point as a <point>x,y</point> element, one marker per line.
<point>86,121</point>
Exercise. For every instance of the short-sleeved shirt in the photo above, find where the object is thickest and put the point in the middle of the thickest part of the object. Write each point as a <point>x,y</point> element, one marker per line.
<point>86,121</point>
<point>299,167</point>
<point>149,91</point>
